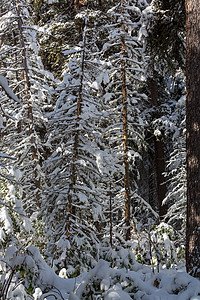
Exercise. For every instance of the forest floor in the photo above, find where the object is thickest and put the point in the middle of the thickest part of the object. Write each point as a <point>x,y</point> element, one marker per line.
<point>141,283</point>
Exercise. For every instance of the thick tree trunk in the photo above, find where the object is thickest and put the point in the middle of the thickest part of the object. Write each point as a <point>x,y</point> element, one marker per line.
<point>193,136</point>
<point>125,130</point>
<point>159,156</point>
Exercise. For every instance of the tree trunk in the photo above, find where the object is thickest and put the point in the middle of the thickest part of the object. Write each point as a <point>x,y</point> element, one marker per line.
<point>27,86</point>
<point>76,3</point>
<point>193,136</point>
<point>125,129</point>
<point>159,156</point>
<point>111,215</point>
<point>70,207</point>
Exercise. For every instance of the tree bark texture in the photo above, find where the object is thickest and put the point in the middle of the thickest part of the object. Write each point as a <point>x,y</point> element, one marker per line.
<point>159,156</point>
<point>193,136</point>
<point>125,129</point>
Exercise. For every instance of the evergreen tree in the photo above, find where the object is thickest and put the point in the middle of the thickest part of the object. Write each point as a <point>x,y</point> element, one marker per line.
<point>163,34</point>
<point>176,165</point>
<point>123,127</point>
<point>14,222</point>
<point>23,67</point>
<point>71,206</point>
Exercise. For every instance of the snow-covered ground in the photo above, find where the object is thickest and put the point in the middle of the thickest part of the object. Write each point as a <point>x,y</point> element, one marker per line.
<point>142,282</point>
<point>106,283</point>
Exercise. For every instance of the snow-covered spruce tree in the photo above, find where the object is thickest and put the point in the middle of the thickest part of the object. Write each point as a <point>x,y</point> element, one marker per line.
<point>14,222</point>
<point>164,28</point>
<point>23,67</point>
<point>176,166</point>
<point>123,127</point>
<point>71,206</point>
<point>164,61</point>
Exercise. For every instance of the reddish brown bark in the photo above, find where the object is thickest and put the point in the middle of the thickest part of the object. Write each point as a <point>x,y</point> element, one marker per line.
<point>76,5</point>
<point>125,129</point>
<point>193,136</point>
<point>79,3</point>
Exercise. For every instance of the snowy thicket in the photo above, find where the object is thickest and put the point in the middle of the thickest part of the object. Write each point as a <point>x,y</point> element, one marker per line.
<point>79,122</point>
<point>25,135</point>
<point>176,165</point>
<point>24,272</point>
<point>71,207</point>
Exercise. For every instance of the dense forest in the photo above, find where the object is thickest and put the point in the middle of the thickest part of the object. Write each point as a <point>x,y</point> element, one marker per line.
<point>99,149</point>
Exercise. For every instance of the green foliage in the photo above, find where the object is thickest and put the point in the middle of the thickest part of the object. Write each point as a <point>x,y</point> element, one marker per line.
<point>52,45</point>
<point>120,254</point>
<point>158,244</point>
<point>166,31</point>
<point>38,237</point>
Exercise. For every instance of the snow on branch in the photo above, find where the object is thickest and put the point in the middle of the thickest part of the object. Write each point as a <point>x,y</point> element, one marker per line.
<point>7,89</point>
<point>6,156</point>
